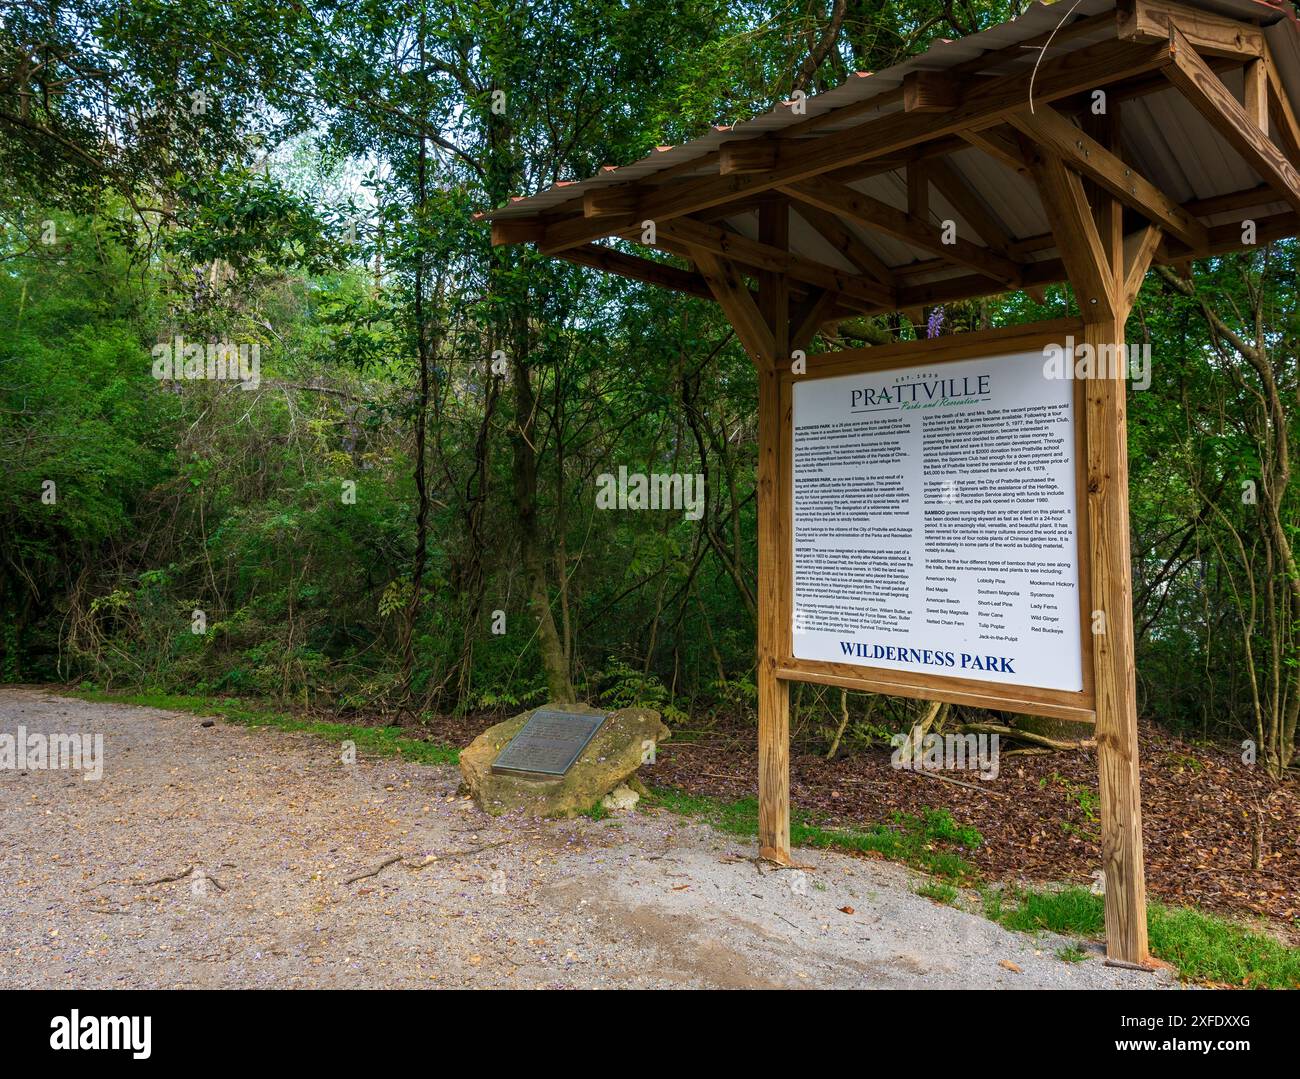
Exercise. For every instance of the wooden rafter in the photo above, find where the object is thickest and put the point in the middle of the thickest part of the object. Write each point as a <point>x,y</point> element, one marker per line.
<point>1139,251</point>
<point>988,227</point>
<point>851,205</point>
<point>840,237</point>
<point>808,317</point>
<point>1282,118</point>
<point>639,269</point>
<point>1077,237</point>
<point>760,256</point>
<point>1216,103</point>
<point>1000,147</point>
<point>1222,240</point>
<point>737,302</point>
<point>1210,34</point>
<point>1049,129</point>
<point>918,190</point>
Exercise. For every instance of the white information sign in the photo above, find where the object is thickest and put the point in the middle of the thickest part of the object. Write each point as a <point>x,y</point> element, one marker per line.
<point>935,522</point>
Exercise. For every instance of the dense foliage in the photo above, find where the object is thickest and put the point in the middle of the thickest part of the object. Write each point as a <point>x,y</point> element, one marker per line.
<point>387,520</point>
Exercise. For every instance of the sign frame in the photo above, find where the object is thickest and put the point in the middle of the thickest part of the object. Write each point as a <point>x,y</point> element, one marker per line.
<point>999,696</point>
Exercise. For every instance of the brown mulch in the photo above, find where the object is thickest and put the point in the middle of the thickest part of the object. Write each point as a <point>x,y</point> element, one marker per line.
<point>1039,818</point>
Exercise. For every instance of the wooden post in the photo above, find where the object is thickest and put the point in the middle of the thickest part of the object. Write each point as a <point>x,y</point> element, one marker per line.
<point>1087,223</point>
<point>773,693</point>
<point>1106,406</point>
<point>1112,652</point>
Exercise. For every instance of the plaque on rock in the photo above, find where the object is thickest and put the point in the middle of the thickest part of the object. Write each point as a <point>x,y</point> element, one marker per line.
<point>548,744</point>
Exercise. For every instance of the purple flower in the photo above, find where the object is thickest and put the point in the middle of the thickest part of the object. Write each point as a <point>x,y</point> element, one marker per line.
<point>934,325</point>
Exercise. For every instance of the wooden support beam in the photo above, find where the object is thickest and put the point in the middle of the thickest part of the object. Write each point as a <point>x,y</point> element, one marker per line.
<point>809,317</point>
<point>918,191</point>
<point>1139,250</point>
<point>1215,102</point>
<point>608,201</point>
<point>738,304</point>
<point>840,237</point>
<point>849,204</point>
<point>1255,94</point>
<point>913,297</point>
<point>1077,237</point>
<point>746,157</point>
<point>1285,127</point>
<point>761,256</point>
<point>950,184</point>
<point>999,147</point>
<point>773,560</point>
<point>512,230</point>
<point>639,269</point>
<point>1259,195</point>
<point>1213,35</point>
<point>1049,129</point>
<point>1108,209</point>
<point>575,231</point>
<point>931,91</point>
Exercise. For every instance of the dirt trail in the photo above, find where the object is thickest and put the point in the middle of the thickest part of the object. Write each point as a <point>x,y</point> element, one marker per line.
<point>261,829</point>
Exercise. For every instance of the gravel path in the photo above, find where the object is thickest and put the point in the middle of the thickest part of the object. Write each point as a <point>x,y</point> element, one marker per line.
<point>261,830</point>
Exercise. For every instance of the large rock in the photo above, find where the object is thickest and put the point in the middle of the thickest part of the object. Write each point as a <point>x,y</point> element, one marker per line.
<point>611,757</point>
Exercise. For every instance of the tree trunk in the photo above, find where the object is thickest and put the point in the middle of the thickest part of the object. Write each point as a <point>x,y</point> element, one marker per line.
<point>556,663</point>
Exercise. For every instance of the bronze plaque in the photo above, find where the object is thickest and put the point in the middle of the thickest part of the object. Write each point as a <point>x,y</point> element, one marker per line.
<point>548,744</point>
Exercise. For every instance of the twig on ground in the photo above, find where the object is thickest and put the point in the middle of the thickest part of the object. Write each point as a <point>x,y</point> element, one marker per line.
<point>428,860</point>
<point>165,880</point>
<point>959,783</point>
<point>376,871</point>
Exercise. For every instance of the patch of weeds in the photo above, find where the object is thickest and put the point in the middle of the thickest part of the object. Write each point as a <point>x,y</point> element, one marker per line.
<point>1183,762</point>
<point>597,812</point>
<point>924,841</point>
<point>1083,796</point>
<point>938,891</point>
<point>1071,953</point>
<point>382,741</point>
<point>1203,947</point>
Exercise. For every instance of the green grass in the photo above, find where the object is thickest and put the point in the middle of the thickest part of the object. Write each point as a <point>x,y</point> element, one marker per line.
<point>932,841</point>
<point>1072,912</point>
<point>1071,954</point>
<point>1203,948</point>
<point>382,741</point>
<point>938,891</point>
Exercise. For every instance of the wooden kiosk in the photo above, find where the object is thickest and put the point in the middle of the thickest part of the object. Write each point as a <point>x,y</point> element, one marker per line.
<point>1076,143</point>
